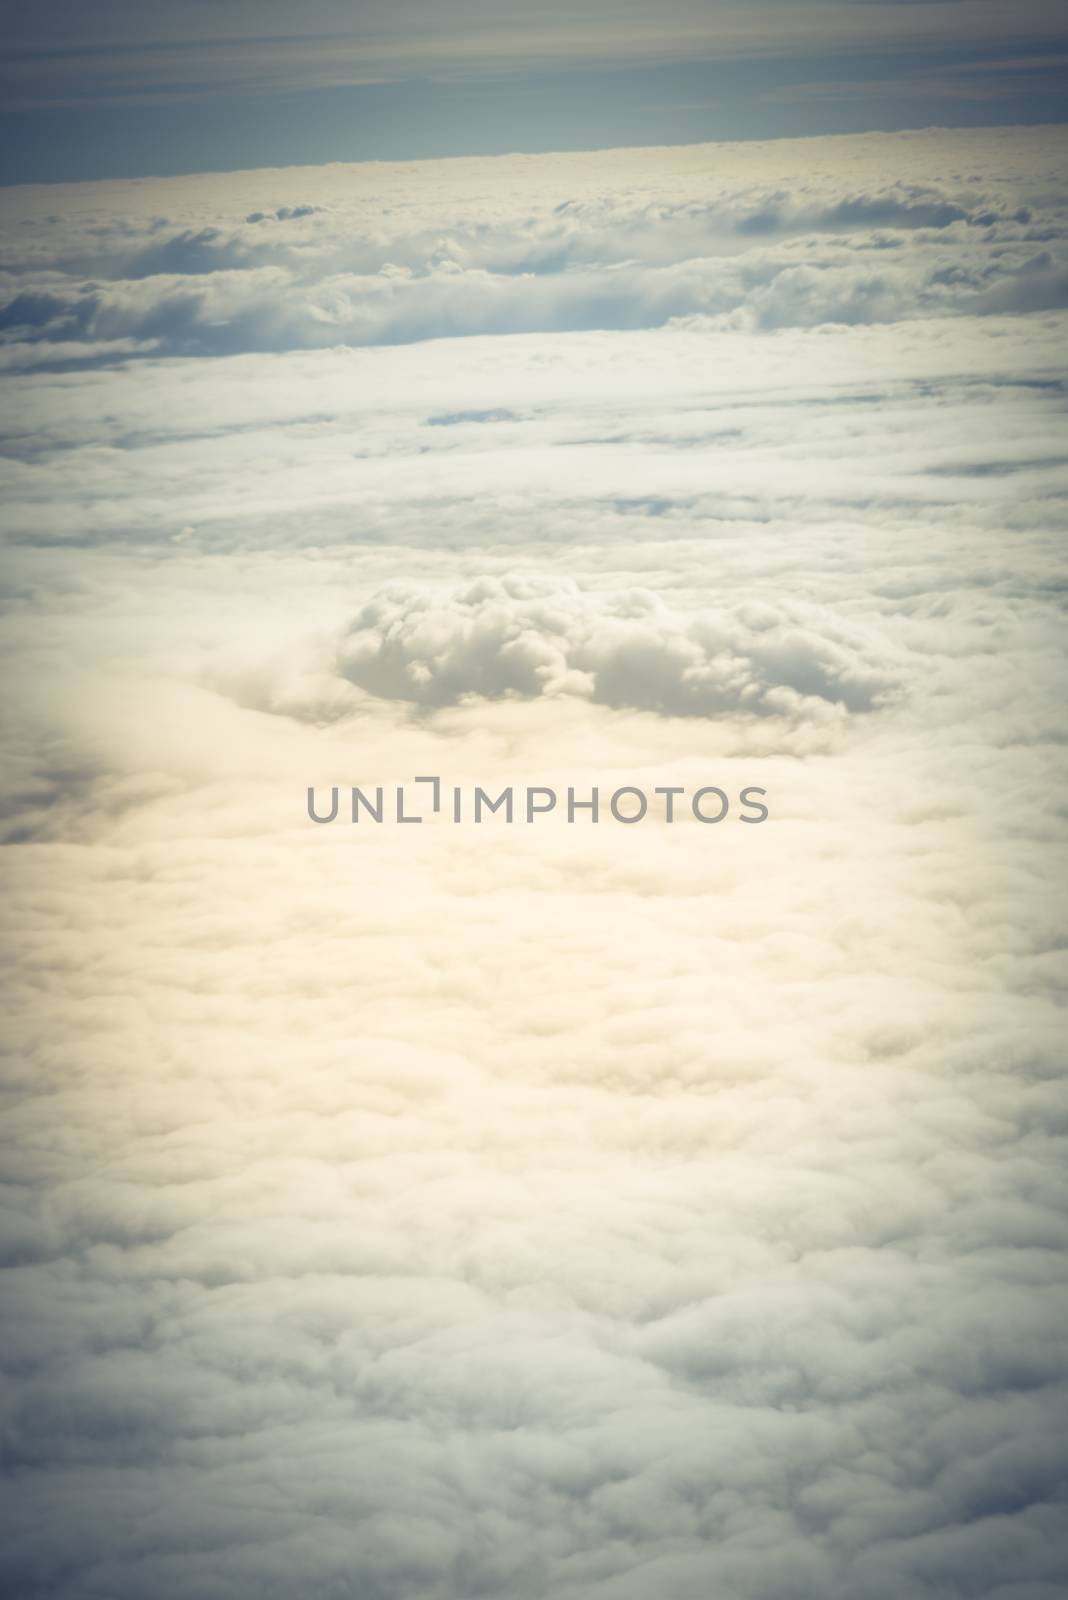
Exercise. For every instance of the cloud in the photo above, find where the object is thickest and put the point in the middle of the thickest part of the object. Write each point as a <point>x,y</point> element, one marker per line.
<point>220,311</point>
<point>843,245</point>
<point>134,54</point>
<point>566,1212</point>
<point>525,637</point>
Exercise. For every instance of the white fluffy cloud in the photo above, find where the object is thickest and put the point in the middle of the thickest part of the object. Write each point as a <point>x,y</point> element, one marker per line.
<point>532,636</point>
<point>570,1211</point>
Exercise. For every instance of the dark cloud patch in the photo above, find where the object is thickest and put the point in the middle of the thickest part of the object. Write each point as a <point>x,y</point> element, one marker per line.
<point>284,214</point>
<point>452,419</point>
<point>189,254</point>
<point>894,209</point>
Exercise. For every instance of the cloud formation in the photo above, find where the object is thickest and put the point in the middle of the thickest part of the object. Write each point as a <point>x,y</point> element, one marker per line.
<point>535,636</point>
<point>377,264</point>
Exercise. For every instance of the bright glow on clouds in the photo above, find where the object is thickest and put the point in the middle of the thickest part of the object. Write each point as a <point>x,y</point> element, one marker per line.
<point>563,1211</point>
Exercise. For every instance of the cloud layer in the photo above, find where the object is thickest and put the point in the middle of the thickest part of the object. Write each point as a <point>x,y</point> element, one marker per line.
<point>134,52</point>
<point>588,243</point>
<point>555,1213</point>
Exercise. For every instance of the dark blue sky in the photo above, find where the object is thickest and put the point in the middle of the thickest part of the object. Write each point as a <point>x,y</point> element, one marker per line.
<point>125,89</point>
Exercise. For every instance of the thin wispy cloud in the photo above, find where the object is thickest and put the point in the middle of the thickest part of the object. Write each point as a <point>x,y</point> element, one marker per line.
<point>251,84</point>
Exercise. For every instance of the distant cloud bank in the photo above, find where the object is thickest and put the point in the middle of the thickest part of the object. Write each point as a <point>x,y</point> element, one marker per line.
<point>843,245</point>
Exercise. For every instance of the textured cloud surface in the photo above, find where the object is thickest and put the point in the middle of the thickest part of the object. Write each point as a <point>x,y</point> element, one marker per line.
<point>568,1210</point>
<point>531,637</point>
<point>796,235</point>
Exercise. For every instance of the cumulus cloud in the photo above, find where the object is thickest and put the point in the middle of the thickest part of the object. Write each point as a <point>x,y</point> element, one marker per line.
<point>534,636</point>
<point>566,1212</point>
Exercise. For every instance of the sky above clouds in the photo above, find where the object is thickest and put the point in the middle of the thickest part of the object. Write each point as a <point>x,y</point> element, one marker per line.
<point>549,1212</point>
<point>124,88</point>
